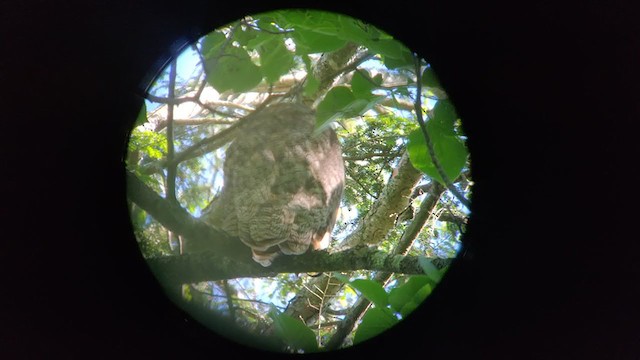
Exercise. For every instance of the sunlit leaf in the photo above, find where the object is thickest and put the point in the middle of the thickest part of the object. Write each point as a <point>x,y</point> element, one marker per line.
<point>429,78</point>
<point>389,48</point>
<point>357,31</point>
<point>362,85</point>
<point>371,290</point>
<point>186,292</point>
<point>374,322</point>
<point>314,31</point>
<point>340,102</point>
<point>407,297</point>
<point>444,117</point>
<point>212,43</point>
<point>275,59</point>
<point>267,21</point>
<point>404,60</point>
<point>232,71</point>
<point>332,105</point>
<point>311,85</point>
<point>294,332</point>
<point>311,42</point>
<point>449,150</point>
<point>243,36</point>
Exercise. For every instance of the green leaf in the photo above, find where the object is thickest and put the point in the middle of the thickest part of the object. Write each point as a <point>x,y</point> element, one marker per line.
<point>212,43</point>
<point>340,102</point>
<point>357,31</point>
<point>294,332</point>
<point>374,322</point>
<point>404,60</point>
<point>311,42</point>
<point>444,117</point>
<point>389,48</point>
<point>449,150</point>
<point>432,272</point>
<point>243,36</point>
<point>186,293</point>
<point>311,85</point>
<point>430,79</point>
<point>332,105</point>
<point>266,21</point>
<point>371,290</point>
<point>314,31</point>
<point>362,85</point>
<point>407,297</point>
<point>322,22</point>
<point>275,58</point>
<point>232,71</point>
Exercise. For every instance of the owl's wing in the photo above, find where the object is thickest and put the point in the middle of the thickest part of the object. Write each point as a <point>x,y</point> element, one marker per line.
<point>282,188</point>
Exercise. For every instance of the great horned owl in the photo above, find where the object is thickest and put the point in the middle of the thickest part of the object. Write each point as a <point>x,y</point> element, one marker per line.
<point>282,184</point>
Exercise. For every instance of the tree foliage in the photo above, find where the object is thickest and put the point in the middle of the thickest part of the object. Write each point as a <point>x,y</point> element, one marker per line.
<point>362,82</point>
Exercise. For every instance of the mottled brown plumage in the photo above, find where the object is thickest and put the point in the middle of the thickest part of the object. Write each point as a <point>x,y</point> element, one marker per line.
<point>282,184</point>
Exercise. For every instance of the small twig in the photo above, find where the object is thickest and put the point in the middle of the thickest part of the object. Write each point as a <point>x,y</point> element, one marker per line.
<point>169,100</point>
<point>204,146</point>
<point>353,65</point>
<point>423,127</point>
<point>320,308</point>
<point>192,122</point>
<point>237,298</point>
<point>172,169</point>
<point>228,290</point>
<point>364,188</point>
<point>366,156</point>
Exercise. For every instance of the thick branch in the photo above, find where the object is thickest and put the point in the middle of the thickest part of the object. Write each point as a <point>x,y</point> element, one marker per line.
<point>177,220</point>
<point>211,266</point>
<point>194,121</point>
<point>419,220</point>
<point>453,218</point>
<point>233,259</point>
<point>381,217</point>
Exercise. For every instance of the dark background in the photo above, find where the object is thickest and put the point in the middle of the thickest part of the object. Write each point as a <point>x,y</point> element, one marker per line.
<point>549,97</point>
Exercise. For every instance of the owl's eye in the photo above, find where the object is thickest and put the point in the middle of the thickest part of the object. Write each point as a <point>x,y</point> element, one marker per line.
<point>299,180</point>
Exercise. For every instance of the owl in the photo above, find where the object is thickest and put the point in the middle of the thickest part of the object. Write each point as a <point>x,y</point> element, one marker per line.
<point>283,183</point>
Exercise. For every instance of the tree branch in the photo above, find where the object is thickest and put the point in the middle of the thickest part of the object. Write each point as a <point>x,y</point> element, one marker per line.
<point>232,259</point>
<point>419,220</point>
<point>172,169</point>
<point>373,228</point>
<point>404,244</point>
<point>193,121</point>
<point>367,156</point>
<point>176,219</point>
<point>453,218</point>
<point>204,146</point>
<point>211,266</point>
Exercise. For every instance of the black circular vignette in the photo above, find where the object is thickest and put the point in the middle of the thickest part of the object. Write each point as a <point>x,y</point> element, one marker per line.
<point>532,84</point>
